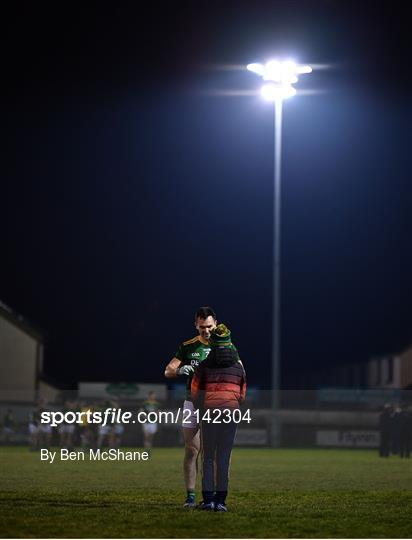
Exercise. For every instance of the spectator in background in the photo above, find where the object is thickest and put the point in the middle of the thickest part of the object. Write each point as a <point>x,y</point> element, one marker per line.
<point>104,431</point>
<point>149,428</point>
<point>45,431</point>
<point>34,430</point>
<point>67,430</point>
<point>396,429</point>
<point>117,430</point>
<point>385,430</point>
<point>87,433</point>
<point>9,426</point>
<point>406,432</point>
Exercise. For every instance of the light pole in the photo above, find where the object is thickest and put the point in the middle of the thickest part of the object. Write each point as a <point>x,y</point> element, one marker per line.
<point>279,78</point>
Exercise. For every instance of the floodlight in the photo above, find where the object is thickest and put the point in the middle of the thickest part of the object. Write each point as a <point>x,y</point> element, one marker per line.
<point>259,69</point>
<point>272,92</point>
<point>282,73</point>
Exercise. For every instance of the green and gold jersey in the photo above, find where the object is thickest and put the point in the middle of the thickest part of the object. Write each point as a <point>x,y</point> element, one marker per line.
<point>192,352</point>
<point>150,405</point>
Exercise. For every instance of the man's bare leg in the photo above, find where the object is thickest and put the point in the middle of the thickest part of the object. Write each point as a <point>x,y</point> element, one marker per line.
<point>192,446</point>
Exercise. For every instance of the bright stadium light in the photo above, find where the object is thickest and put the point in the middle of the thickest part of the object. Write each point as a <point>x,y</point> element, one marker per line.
<point>303,69</point>
<point>271,92</point>
<point>284,74</point>
<point>279,77</point>
<point>259,69</point>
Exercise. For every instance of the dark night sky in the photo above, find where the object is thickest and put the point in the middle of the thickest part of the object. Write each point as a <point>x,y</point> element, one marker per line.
<point>130,196</point>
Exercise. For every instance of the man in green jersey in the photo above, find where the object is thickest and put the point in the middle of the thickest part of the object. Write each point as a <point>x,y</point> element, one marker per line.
<point>149,428</point>
<point>9,426</point>
<point>189,355</point>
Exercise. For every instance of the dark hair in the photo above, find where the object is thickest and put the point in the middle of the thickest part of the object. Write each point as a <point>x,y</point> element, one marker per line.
<point>205,312</point>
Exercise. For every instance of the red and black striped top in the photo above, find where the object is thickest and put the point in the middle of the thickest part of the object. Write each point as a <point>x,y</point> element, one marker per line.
<point>219,385</point>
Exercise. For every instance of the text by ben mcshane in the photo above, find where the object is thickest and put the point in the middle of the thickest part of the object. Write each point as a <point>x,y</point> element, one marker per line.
<point>114,454</point>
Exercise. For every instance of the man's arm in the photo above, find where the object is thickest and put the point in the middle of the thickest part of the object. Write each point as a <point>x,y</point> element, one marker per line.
<point>172,368</point>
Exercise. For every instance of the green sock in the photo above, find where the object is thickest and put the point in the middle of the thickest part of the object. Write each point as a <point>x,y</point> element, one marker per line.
<point>190,493</point>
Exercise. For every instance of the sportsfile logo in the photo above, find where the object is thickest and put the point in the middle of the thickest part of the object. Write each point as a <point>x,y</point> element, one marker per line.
<point>112,416</point>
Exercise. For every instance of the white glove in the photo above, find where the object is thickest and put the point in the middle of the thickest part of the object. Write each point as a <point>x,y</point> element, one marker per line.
<point>185,370</point>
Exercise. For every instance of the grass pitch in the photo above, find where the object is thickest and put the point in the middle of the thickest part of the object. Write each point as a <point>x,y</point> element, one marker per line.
<point>273,493</point>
